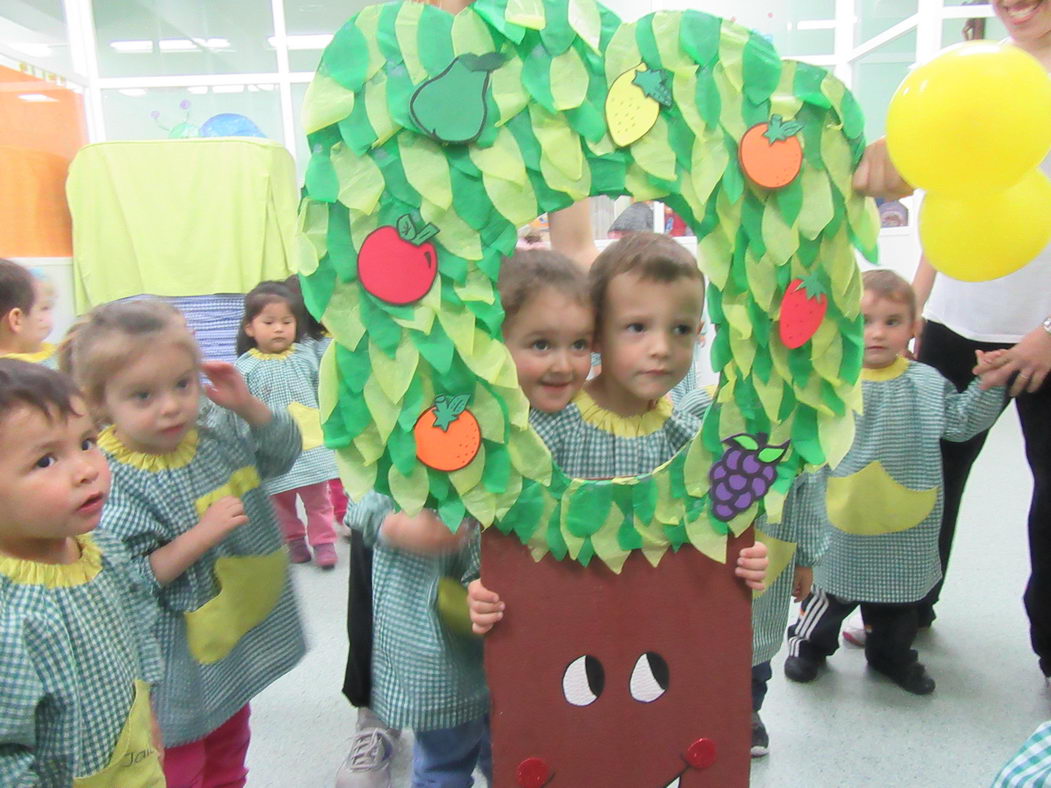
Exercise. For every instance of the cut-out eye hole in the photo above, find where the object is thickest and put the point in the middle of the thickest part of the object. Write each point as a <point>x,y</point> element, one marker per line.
<point>649,678</point>
<point>583,681</point>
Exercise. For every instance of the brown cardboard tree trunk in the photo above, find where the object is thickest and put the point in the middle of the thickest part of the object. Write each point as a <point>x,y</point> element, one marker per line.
<point>690,610</point>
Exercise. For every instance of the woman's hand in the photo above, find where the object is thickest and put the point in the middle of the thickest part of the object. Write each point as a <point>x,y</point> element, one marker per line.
<point>1030,358</point>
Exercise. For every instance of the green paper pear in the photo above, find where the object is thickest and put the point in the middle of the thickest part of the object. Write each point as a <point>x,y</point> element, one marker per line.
<point>451,107</point>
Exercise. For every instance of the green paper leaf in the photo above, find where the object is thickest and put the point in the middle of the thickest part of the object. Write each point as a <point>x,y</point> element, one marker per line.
<point>322,184</point>
<point>588,506</point>
<point>536,77</point>
<point>585,20</point>
<point>409,490</point>
<point>654,154</point>
<point>346,57</point>
<point>568,80</point>
<point>700,36</point>
<point>527,13</point>
<point>452,512</point>
<point>761,67</point>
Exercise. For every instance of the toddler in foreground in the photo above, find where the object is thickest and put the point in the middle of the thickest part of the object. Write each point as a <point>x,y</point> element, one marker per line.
<point>76,656</point>
<point>189,504</point>
<point>648,298</point>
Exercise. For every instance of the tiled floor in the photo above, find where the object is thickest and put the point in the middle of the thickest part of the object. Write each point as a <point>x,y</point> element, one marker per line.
<point>847,729</point>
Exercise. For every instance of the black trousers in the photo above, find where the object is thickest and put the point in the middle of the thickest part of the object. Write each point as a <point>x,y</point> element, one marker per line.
<point>953,356</point>
<point>761,675</point>
<point>357,681</point>
<point>888,645</point>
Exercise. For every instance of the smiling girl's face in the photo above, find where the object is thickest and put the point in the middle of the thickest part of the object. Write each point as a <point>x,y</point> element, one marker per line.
<point>1028,22</point>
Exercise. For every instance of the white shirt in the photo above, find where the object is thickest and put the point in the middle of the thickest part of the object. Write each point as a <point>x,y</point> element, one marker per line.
<point>998,310</point>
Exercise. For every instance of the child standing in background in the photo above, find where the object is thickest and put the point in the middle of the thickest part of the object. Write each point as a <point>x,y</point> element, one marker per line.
<point>316,339</point>
<point>188,503</point>
<point>76,655</point>
<point>884,500</point>
<point>795,544</point>
<point>26,315</point>
<point>284,375</point>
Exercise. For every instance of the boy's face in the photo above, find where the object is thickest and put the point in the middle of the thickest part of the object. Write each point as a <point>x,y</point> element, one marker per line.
<point>550,341</point>
<point>153,402</point>
<point>889,325</point>
<point>647,337</point>
<point>41,317</point>
<point>53,481</point>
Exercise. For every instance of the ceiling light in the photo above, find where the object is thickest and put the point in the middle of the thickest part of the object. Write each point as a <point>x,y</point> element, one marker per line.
<point>215,44</point>
<point>137,47</point>
<point>133,92</point>
<point>36,98</point>
<point>816,24</point>
<point>177,45</point>
<point>228,88</point>
<point>197,90</point>
<point>303,42</point>
<point>32,49</point>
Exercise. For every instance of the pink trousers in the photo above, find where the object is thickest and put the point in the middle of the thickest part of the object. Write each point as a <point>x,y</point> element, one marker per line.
<point>320,527</point>
<point>216,761</point>
<point>339,499</point>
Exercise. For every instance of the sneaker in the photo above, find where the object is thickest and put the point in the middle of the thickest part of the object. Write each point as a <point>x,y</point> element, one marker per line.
<point>368,764</point>
<point>912,678</point>
<point>325,556</point>
<point>760,738</point>
<point>801,669</point>
<point>298,552</point>
<point>855,636</point>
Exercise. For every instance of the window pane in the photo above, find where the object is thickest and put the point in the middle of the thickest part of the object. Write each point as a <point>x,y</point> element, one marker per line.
<point>876,77</point>
<point>161,37</point>
<point>157,113</point>
<point>300,148</point>
<point>35,31</point>
<point>991,28</point>
<point>310,23</point>
<point>875,16</point>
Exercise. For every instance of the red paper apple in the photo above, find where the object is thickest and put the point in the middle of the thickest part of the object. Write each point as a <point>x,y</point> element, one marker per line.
<point>398,264</point>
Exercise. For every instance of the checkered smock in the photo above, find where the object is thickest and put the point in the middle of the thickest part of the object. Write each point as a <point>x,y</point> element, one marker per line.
<point>798,540</point>
<point>74,640</point>
<point>1031,765</point>
<point>424,676</point>
<point>316,347</point>
<point>590,442</point>
<point>222,647</point>
<point>884,500</point>
<point>287,382</point>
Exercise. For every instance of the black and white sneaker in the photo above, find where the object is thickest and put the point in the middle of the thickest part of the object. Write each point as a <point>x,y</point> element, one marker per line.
<point>760,738</point>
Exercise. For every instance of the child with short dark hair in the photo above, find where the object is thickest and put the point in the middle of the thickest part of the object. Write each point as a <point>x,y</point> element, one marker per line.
<point>25,315</point>
<point>76,656</point>
<point>884,500</point>
<point>284,375</point>
<point>189,504</point>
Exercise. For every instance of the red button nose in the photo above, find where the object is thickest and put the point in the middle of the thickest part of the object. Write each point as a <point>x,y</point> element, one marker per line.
<point>701,754</point>
<point>532,773</point>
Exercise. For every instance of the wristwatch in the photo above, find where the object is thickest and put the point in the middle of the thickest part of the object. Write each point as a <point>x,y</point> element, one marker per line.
<point>1047,324</point>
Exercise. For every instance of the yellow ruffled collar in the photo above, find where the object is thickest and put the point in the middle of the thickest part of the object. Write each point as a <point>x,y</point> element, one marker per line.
<point>46,351</point>
<point>179,457</point>
<point>893,370</point>
<point>255,352</point>
<point>646,423</point>
<point>35,573</point>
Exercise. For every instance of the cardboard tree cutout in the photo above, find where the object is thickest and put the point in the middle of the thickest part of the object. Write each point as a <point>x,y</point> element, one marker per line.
<point>434,137</point>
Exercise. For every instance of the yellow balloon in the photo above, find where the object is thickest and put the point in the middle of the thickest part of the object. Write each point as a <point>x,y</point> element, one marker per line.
<point>978,238</point>
<point>977,117</point>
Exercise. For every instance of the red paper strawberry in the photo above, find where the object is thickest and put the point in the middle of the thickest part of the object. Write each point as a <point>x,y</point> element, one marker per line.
<point>398,264</point>
<point>802,310</point>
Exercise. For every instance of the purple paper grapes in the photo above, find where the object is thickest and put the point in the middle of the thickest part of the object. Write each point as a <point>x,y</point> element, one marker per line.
<point>744,474</point>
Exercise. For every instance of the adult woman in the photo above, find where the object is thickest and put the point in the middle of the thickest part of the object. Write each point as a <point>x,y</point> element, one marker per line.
<point>1013,312</point>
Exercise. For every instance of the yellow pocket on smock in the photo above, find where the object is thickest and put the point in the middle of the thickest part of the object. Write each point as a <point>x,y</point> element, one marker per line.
<point>309,422</point>
<point>249,589</point>
<point>134,763</point>
<point>870,502</point>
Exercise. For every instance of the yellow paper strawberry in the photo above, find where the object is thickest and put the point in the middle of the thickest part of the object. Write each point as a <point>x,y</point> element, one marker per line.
<point>634,102</point>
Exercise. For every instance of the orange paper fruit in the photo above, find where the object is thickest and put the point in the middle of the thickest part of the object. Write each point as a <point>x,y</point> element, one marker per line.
<point>447,435</point>
<point>771,154</point>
